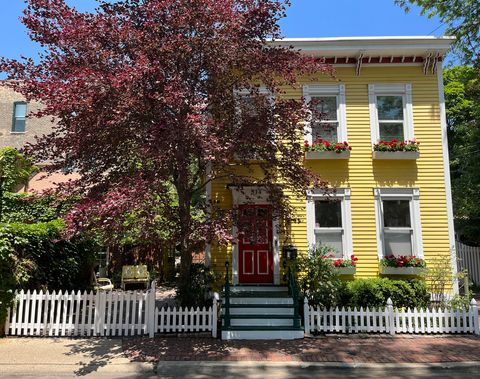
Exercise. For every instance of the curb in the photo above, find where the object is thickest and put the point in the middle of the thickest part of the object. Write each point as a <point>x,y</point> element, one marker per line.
<point>345,365</point>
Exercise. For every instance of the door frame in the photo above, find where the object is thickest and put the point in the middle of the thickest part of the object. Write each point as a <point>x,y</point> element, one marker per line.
<point>254,195</point>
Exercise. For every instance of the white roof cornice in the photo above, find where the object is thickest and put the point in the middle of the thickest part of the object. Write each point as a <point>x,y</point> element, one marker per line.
<point>369,46</point>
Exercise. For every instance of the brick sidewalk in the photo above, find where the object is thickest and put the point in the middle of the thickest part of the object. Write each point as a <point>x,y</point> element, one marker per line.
<point>345,349</point>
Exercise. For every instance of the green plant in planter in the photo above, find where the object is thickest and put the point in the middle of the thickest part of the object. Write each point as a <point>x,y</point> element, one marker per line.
<point>324,145</point>
<point>395,145</point>
<point>402,261</point>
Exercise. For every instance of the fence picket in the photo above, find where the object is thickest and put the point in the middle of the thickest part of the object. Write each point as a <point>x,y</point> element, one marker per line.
<point>130,313</point>
<point>32,314</point>
<point>389,320</point>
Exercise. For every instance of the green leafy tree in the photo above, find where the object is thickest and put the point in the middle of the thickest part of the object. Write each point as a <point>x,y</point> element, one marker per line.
<point>462,97</point>
<point>462,18</point>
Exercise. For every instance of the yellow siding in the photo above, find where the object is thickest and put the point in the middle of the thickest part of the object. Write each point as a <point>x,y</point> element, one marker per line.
<point>362,174</point>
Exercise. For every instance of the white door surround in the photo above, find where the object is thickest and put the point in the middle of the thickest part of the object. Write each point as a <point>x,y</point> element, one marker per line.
<point>254,195</point>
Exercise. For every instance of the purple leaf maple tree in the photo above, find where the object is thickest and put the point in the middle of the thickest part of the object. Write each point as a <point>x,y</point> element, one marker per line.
<point>154,99</point>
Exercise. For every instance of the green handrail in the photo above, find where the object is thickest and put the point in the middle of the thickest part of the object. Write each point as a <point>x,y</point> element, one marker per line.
<point>226,316</point>
<point>293,290</point>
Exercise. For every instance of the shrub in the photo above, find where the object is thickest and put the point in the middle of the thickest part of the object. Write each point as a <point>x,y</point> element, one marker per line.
<point>375,292</point>
<point>318,280</point>
<point>200,286</point>
<point>14,272</point>
<point>56,262</point>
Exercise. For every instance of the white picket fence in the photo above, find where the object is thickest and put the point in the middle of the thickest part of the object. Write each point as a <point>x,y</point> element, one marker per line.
<point>469,259</point>
<point>391,320</point>
<point>112,313</point>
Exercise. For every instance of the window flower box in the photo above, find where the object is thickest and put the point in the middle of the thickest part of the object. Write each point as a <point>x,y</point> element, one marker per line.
<point>323,149</point>
<point>407,271</point>
<point>396,155</point>
<point>346,270</point>
<point>311,155</point>
<point>346,266</point>
<point>402,265</point>
<point>395,150</point>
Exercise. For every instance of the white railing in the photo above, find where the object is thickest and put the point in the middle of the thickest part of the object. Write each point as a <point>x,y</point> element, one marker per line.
<point>469,259</point>
<point>112,313</point>
<point>391,320</point>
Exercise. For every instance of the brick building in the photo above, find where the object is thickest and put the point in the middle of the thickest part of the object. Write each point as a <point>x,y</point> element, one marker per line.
<point>16,129</point>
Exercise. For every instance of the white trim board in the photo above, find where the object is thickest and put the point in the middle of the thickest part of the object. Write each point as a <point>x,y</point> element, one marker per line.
<point>448,184</point>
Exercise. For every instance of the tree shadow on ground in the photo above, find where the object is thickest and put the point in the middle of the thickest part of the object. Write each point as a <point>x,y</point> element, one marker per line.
<point>95,353</point>
<point>346,349</point>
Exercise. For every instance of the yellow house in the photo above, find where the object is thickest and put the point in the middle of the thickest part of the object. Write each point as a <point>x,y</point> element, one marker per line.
<point>389,203</point>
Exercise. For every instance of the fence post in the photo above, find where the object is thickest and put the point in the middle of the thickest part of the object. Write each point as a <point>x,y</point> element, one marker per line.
<point>151,311</point>
<point>390,316</point>
<point>474,315</point>
<point>306,316</point>
<point>214,317</point>
<point>96,318</point>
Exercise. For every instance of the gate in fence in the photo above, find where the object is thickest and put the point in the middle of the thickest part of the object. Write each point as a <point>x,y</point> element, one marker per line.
<point>113,313</point>
<point>469,259</point>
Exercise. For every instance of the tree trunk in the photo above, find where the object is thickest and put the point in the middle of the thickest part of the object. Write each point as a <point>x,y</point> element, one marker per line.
<point>184,205</point>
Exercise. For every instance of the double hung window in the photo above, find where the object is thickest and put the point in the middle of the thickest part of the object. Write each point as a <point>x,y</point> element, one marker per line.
<point>329,221</point>
<point>328,119</point>
<point>391,116</point>
<point>398,222</point>
<point>19,117</point>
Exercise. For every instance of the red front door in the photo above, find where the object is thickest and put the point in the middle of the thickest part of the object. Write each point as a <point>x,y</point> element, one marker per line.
<point>255,244</point>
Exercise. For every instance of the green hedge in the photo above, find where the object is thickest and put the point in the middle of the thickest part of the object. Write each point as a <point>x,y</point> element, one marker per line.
<point>55,263</point>
<point>376,291</point>
<point>320,283</point>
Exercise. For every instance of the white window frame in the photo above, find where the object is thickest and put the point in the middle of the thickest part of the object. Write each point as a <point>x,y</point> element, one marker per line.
<point>15,118</point>
<point>338,91</point>
<point>413,196</point>
<point>343,195</point>
<point>404,90</point>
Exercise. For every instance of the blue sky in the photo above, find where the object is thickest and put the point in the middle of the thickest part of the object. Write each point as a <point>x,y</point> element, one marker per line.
<point>305,18</point>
